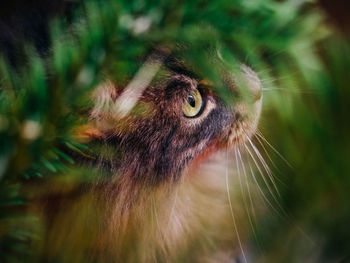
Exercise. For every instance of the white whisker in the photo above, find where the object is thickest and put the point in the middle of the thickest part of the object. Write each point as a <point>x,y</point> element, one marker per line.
<point>273,148</point>
<point>247,184</point>
<point>239,172</point>
<point>249,194</point>
<point>231,209</point>
<point>266,167</point>
<point>261,172</point>
<point>262,192</point>
<point>286,216</point>
<point>155,213</point>
<point>268,81</point>
<point>264,179</point>
<point>266,152</point>
<point>173,207</point>
<point>270,159</point>
<point>298,91</point>
<point>264,71</point>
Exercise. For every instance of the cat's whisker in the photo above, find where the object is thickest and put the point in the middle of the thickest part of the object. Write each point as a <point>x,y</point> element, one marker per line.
<point>298,91</point>
<point>155,213</point>
<point>241,184</point>
<point>270,159</point>
<point>238,172</point>
<point>266,183</point>
<point>247,184</point>
<point>285,215</point>
<point>273,148</point>
<point>262,192</point>
<point>268,81</point>
<point>152,223</point>
<point>266,167</point>
<point>231,209</point>
<point>262,173</point>
<point>263,71</point>
<point>288,76</point>
<point>266,152</point>
<point>173,207</point>
<point>251,210</point>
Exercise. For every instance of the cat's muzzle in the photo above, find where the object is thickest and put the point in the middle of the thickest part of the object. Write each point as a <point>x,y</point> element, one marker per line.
<point>247,108</point>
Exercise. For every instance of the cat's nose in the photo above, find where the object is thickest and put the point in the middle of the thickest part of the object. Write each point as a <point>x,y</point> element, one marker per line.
<point>253,83</point>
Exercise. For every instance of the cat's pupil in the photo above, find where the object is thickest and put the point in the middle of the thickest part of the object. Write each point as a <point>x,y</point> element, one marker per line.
<point>191,100</point>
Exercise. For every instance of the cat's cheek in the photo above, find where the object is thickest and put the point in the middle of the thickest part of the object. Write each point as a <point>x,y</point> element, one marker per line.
<point>209,150</point>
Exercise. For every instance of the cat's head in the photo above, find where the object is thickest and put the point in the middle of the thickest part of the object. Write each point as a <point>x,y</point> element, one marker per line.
<point>169,117</point>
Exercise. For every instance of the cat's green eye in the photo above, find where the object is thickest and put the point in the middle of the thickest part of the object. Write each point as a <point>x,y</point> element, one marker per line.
<point>192,104</point>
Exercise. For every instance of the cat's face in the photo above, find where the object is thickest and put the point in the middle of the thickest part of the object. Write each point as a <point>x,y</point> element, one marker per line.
<point>177,120</point>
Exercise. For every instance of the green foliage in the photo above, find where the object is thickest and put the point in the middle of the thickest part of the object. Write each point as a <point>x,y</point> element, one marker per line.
<point>41,104</point>
<point>315,139</point>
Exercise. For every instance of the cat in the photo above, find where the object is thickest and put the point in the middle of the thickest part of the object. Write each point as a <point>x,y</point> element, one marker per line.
<point>156,204</point>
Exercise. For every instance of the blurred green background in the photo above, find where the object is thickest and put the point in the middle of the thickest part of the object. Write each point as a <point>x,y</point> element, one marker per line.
<point>300,50</point>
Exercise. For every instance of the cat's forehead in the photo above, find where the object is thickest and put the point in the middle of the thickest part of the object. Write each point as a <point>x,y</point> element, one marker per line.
<point>179,67</point>
<point>212,73</point>
<point>174,79</point>
<point>180,84</point>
